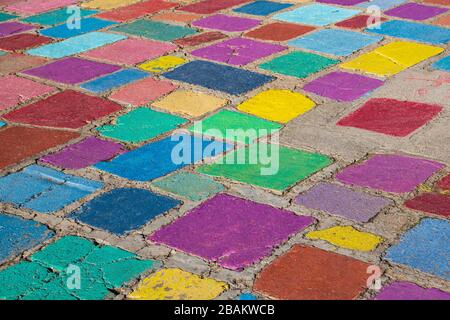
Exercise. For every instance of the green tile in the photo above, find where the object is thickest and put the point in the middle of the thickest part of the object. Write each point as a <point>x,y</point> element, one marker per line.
<point>298,64</point>
<point>56,17</point>
<point>6,16</point>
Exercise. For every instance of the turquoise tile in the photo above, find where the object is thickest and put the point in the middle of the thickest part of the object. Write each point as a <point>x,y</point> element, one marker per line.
<point>6,16</point>
<point>56,16</point>
<point>86,25</point>
<point>443,64</point>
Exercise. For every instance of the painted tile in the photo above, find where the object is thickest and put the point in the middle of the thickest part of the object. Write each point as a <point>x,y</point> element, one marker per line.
<point>443,20</point>
<point>19,235</point>
<point>298,64</point>
<point>358,22</point>
<point>293,166</point>
<point>277,105</point>
<point>401,290</point>
<point>392,58</point>
<point>433,203</point>
<point>442,64</point>
<point>243,244</point>
<point>72,70</point>
<point>415,11</point>
<point>156,159</point>
<point>6,16</point>
<point>279,31</point>
<point>424,247</point>
<point>188,185</point>
<point>162,64</point>
<point>316,15</point>
<point>43,189</point>
<point>76,45</point>
<point>16,62</point>
<point>10,28</point>
<point>247,296</point>
<point>391,117</point>
<point>58,16</point>
<point>67,109</point>
<point>211,6</point>
<point>176,284</point>
<point>108,4</point>
<point>137,50</point>
<point>227,23</point>
<point>218,77</point>
<point>390,173</point>
<point>2,124</point>
<point>334,42</point>
<point>342,2</point>
<point>142,91</point>
<point>154,30</point>
<point>343,202</point>
<point>136,10</point>
<point>63,31</point>
<point>444,184</point>
<point>262,8</point>
<point>238,51</point>
<point>342,86</point>
<point>121,211</point>
<point>201,38</point>
<point>190,103</point>
<point>20,143</point>
<point>382,4</point>
<point>114,80</point>
<point>17,90</point>
<point>300,274</point>
<point>140,124</point>
<point>22,41</point>
<point>181,17</point>
<point>84,154</point>
<point>30,7</point>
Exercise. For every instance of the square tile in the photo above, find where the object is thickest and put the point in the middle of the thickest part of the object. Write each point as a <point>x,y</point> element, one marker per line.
<point>159,158</point>
<point>31,7</point>
<point>136,10</point>
<point>190,103</point>
<point>391,117</point>
<point>121,211</point>
<point>298,64</point>
<point>278,31</point>
<point>238,51</point>
<point>68,109</point>
<point>114,80</point>
<point>22,41</point>
<point>43,189</point>
<point>254,230</point>
<point>211,6</point>
<point>10,28</point>
<point>17,90</point>
<point>343,86</point>
<point>343,202</point>
<point>290,167</point>
<point>401,290</point>
<point>16,62</point>
<point>303,273</point>
<point>218,77</point>
<point>227,23</point>
<point>72,70</point>
<point>442,64</point>
<point>334,42</point>
<point>433,203</point>
<point>358,22</point>
<point>415,11</point>
<point>316,15</point>
<point>84,154</point>
<point>66,30</point>
<point>162,64</point>
<point>424,248</point>
<point>262,8</point>
<point>139,125</point>
<point>390,173</point>
<point>201,38</point>
<point>137,50</point>
<point>57,16</point>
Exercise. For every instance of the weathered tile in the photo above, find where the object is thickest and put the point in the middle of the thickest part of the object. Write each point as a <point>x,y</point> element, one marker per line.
<point>22,41</point>
<point>401,290</point>
<point>66,30</point>
<point>30,7</point>
<point>415,11</point>
<point>16,62</point>
<point>442,64</point>
<point>211,6</point>
<point>201,38</point>
<point>114,80</point>
<point>10,28</point>
<point>162,64</point>
<point>57,16</point>
<point>279,31</point>
<point>262,8</point>
<point>430,203</point>
<point>135,10</point>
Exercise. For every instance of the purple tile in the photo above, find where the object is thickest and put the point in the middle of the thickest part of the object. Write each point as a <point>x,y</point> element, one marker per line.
<point>409,291</point>
<point>390,173</point>
<point>343,86</point>
<point>9,28</point>
<point>226,23</point>
<point>415,11</point>
<point>342,2</point>
<point>84,154</point>
<point>238,51</point>
<point>341,201</point>
<point>231,231</point>
<point>72,70</point>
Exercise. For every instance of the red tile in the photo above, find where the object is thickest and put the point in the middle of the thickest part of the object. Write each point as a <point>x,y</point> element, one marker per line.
<point>135,11</point>
<point>391,117</point>
<point>200,39</point>
<point>23,41</point>
<point>444,184</point>
<point>358,22</point>
<point>211,6</point>
<point>431,203</point>
<point>279,31</point>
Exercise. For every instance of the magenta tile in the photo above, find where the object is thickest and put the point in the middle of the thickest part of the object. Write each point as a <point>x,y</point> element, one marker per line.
<point>9,28</point>
<point>343,86</point>
<point>415,11</point>
<point>226,23</point>
<point>409,291</point>
<point>231,231</point>
<point>72,70</point>
<point>238,51</point>
<point>84,154</point>
<point>390,173</point>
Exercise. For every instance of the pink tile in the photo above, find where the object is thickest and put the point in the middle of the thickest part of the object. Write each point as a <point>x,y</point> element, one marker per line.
<point>143,92</point>
<point>137,50</point>
<point>17,90</point>
<point>38,6</point>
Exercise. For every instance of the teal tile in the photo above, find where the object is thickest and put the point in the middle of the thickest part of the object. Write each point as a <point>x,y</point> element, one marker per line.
<point>6,16</point>
<point>56,16</point>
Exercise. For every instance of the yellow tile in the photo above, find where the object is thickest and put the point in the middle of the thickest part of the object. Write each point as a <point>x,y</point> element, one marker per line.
<point>176,284</point>
<point>392,58</point>
<point>347,237</point>
<point>162,64</point>
<point>190,103</point>
<point>107,4</point>
<point>277,105</point>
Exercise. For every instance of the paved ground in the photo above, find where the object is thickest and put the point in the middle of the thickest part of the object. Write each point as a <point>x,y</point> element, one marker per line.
<point>100,201</point>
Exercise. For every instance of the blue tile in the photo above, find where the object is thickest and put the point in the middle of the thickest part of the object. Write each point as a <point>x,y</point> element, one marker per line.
<point>156,159</point>
<point>218,77</point>
<point>413,31</point>
<point>335,42</point>
<point>2,124</point>
<point>382,4</point>
<point>123,210</point>
<point>18,235</point>
<point>86,25</point>
<point>443,64</point>
<point>262,8</point>
<point>114,80</point>
<point>43,189</point>
<point>58,16</point>
<point>247,296</point>
<point>425,247</point>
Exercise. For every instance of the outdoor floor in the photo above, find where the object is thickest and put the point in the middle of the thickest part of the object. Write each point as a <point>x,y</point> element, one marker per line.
<point>113,130</point>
